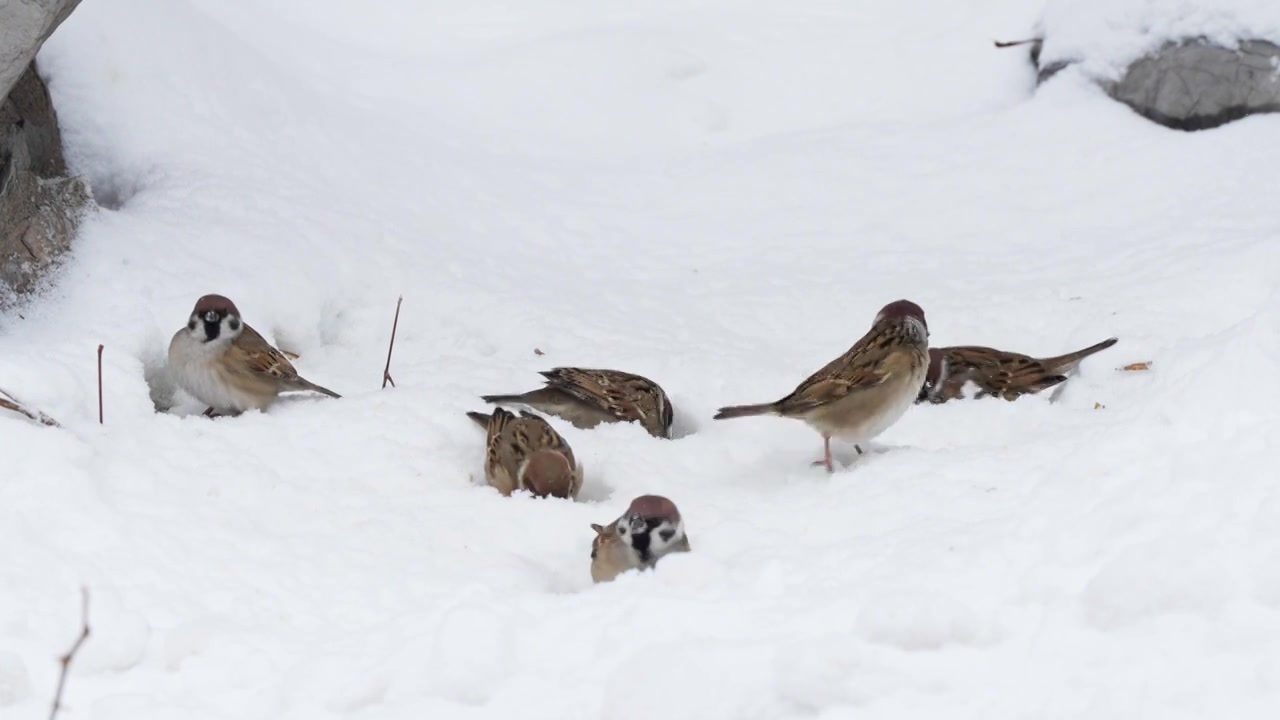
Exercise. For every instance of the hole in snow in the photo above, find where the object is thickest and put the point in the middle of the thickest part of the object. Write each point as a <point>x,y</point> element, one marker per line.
<point>113,190</point>
<point>160,385</point>
<point>594,489</point>
<point>683,422</point>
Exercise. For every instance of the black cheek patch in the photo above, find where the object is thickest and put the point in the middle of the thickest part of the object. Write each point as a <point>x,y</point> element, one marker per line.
<point>234,324</point>
<point>666,535</point>
<point>191,325</point>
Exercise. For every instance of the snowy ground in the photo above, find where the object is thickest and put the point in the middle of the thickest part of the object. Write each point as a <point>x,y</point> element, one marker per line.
<point>718,195</point>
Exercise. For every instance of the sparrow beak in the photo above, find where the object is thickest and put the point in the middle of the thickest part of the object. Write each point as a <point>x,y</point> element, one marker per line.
<point>211,316</point>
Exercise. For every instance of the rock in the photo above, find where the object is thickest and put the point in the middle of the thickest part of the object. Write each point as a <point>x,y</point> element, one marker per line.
<point>40,208</point>
<point>24,26</point>
<point>1192,84</point>
<point>1197,85</point>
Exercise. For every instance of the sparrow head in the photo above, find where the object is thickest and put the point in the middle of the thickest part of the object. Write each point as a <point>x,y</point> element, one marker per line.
<point>547,472</point>
<point>651,526</point>
<point>215,318</point>
<point>907,314</point>
<point>936,374</point>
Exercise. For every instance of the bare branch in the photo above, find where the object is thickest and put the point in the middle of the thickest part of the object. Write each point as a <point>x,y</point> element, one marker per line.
<point>9,402</point>
<point>1015,43</point>
<point>65,660</point>
<point>386,371</point>
<point>99,384</point>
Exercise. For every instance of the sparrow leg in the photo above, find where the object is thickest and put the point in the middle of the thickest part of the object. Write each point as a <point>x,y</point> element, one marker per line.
<point>208,413</point>
<point>858,448</point>
<point>826,454</point>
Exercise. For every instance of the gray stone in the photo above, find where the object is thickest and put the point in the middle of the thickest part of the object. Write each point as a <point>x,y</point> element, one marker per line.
<point>1193,84</point>
<point>40,208</point>
<point>24,26</point>
<point>1196,85</point>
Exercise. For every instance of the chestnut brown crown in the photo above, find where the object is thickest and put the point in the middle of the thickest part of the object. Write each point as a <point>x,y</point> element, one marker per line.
<point>899,309</point>
<point>655,507</point>
<point>217,303</point>
<point>549,473</point>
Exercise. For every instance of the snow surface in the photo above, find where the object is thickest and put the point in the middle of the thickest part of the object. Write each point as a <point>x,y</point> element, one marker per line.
<point>1106,36</point>
<point>718,195</point>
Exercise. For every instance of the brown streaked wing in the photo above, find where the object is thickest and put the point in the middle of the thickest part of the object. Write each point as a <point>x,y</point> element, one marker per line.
<point>998,371</point>
<point>538,434</point>
<point>501,473</point>
<point>613,391</point>
<point>261,357</point>
<point>871,360</point>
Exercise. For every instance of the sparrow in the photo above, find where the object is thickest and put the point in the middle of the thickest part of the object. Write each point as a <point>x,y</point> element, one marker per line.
<point>863,392</point>
<point>524,451</point>
<point>587,397</point>
<point>1000,373</point>
<point>650,529</point>
<point>224,363</point>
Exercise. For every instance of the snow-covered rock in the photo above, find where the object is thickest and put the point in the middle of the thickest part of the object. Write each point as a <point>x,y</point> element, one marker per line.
<point>1187,65</point>
<point>40,208</point>
<point>24,26</point>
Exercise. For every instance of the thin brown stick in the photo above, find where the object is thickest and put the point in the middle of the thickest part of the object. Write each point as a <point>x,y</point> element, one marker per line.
<point>99,384</point>
<point>9,402</point>
<point>1015,43</point>
<point>71,654</point>
<point>386,371</point>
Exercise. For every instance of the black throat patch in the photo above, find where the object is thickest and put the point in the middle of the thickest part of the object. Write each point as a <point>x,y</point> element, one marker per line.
<point>642,540</point>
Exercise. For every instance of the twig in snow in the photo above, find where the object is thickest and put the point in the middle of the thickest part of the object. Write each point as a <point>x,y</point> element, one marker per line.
<point>1015,43</point>
<point>71,654</point>
<point>9,402</point>
<point>386,371</point>
<point>99,383</point>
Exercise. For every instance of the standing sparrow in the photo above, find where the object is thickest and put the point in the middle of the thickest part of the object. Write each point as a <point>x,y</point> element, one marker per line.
<point>1000,373</point>
<point>526,452</point>
<point>587,397</point>
<point>860,394</point>
<point>650,529</point>
<point>225,364</point>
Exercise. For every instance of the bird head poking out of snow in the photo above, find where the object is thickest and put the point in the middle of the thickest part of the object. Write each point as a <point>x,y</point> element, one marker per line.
<point>215,318</point>
<point>652,527</point>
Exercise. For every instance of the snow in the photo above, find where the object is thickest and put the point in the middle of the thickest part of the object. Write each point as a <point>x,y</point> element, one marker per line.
<point>716,195</point>
<point>1106,36</point>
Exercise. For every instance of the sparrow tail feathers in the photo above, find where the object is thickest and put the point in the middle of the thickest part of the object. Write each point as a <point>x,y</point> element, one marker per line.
<point>735,411</point>
<point>1066,363</point>
<point>318,388</point>
<point>498,399</point>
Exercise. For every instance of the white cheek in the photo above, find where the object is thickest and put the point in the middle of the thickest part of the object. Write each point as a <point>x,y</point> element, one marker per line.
<point>916,328</point>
